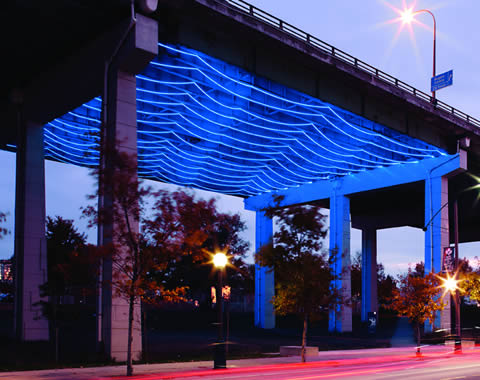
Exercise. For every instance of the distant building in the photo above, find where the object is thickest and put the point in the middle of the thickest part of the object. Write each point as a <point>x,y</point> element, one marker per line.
<point>6,270</point>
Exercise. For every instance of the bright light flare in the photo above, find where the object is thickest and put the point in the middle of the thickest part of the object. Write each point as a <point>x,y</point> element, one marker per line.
<point>407,16</point>
<point>220,260</point>
<point>450,284</point>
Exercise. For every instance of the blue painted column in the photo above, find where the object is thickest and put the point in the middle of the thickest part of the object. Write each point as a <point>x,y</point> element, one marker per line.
<point>340,318</point>
<point>369,272</point>
<point>436,237</point>
<point>264,279</point>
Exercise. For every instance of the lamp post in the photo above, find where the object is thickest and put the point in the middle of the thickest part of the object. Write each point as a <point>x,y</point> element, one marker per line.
<point>408,17</point>
<point>451,285</point>
<point>220,260</point>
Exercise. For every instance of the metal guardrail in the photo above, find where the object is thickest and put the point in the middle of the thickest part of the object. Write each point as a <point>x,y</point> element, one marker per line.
<point>345,57</point>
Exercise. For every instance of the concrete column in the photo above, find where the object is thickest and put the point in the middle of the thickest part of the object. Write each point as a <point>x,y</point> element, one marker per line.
<point>340,319</point>
<point>437,237</point>
<point>369,272</point>
<point>264,279</point>
<point>121,130</point>
<point>30,242</point>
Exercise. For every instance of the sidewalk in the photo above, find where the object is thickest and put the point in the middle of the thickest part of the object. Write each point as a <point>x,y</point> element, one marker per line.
<point>374,355</point>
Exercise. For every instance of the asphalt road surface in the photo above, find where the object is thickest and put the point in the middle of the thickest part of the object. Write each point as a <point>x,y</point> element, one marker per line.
<point>436,362</point>
<point>438,367</point>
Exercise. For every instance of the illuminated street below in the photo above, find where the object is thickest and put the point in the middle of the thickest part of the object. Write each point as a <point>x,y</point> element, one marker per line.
<point>438,365</point>
<point>436,362</point>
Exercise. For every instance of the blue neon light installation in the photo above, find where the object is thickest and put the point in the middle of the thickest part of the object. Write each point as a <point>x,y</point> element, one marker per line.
<point>207,124</point>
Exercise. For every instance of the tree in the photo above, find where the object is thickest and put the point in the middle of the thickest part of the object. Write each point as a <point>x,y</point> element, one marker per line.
<point>64,242</point>
<point>469,280</point>
<point>356,277</point>
<point>303,274</point>
<point>65,269</point>
<point>123,209</point>
<point>385,283</point>
<point>174,225</point>
<point>471,286</point>
<point>3,231</point>
<point>221,232</point>
<point>417,297</point>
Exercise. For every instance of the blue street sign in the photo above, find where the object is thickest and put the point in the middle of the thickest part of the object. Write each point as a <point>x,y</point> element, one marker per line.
<point>442,80</point>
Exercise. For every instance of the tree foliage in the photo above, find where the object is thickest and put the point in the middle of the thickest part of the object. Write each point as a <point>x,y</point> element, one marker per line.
<point>65,250</point>
<point>211,231</point>
<point>417,297</point>
<point>469,280</point>
<point>471,286</point>
<point>302,271</point>
<point>3,231</point>
<point>153,232</point>
<point>385,282</point>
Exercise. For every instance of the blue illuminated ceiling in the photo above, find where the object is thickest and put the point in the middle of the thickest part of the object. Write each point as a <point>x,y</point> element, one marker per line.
<point>210,125</point>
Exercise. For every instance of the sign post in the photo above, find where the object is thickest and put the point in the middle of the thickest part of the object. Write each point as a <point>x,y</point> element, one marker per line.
<point>442,80</point>
<point>448,260</point>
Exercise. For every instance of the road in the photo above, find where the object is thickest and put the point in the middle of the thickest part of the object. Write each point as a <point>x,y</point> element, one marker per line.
<point>436,362</point>
<point>438,367</point>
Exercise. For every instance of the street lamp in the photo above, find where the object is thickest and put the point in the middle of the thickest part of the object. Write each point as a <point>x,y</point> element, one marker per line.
<point>408,16</point>
<point>220,260</point>
<point>451,285</point>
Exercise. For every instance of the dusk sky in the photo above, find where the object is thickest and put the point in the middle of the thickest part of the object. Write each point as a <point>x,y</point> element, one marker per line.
<point>362,29</point>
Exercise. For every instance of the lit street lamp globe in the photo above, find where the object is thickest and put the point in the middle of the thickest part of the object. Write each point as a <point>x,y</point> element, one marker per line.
<point>220,260</point>
<point>450,284</point>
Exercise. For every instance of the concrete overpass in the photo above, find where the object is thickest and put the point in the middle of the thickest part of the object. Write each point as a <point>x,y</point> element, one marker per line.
<point>235,101</point>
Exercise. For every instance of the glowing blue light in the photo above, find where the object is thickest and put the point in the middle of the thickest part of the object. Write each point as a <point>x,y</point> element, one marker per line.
<point>204,123</point>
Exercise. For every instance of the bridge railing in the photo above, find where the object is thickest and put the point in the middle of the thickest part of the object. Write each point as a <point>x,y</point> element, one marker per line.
<point>349,59</point>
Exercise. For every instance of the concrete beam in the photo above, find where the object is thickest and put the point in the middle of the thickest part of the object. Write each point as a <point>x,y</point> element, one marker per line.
<point>369,272</point>
<point>437,238</point>
<point>364,181</point>
<point>340,316</point>
<point>30,242</point>
<point>264,276</point>
<point>121,129</point>
<point>80,77</point>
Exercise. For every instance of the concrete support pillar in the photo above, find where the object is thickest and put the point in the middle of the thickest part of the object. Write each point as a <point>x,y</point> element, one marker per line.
<point>30,242</point>
<point>121,131</point>
<point>340,319</point>
<point>437,237</point>
<point>369,272</point>
<point>264,279</point>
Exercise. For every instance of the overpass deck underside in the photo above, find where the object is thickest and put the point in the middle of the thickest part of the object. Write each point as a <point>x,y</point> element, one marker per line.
<point>207,124</point>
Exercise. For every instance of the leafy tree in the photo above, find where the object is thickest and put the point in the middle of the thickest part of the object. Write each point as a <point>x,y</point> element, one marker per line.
<point>356,277</point>
<point>221,231</point>
<point>418,270</point>
<point>470,286</point>
<point>64,242</point>
<point>123,209</point>
<point>65,245</point>
<point>417,298</point>
<point>175,226</point>
<point>470,280</point>
<point>3,231</point>
<point>385,283</point>
<point>302,271</point>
